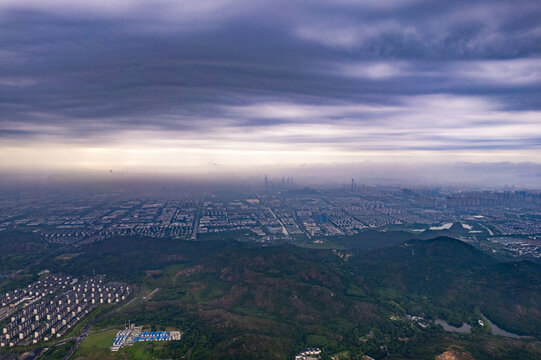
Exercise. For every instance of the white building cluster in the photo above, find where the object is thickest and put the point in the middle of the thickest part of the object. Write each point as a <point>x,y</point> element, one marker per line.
<point>48,308</point>
<point>309,354</point>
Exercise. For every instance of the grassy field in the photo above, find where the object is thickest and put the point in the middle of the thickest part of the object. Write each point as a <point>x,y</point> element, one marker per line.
<point>58,352</point>
<point>96,343</point>
<point>96,347</point>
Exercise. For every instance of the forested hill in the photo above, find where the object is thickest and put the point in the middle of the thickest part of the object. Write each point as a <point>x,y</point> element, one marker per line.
<point>450,273</point>
<point>269,302</point>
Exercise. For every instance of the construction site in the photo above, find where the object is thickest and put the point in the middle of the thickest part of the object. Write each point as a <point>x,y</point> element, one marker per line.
<point>133,334</point>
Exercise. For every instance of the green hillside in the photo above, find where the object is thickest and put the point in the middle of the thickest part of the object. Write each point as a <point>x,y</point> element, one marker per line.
<point>240,301</point>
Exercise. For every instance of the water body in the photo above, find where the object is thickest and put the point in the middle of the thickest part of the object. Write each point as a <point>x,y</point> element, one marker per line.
<point>487,229</point>
<point>445,226</point>
<point>464,329</point>
<point>497,331</point>
<point>466,226</point>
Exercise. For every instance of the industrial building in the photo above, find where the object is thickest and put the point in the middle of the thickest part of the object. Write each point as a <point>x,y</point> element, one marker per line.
<point>133,334</point>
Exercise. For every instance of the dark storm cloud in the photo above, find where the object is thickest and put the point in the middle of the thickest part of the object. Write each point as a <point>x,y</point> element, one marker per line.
<point>89,71</point>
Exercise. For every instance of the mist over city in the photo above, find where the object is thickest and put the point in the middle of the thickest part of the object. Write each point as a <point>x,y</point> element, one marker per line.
<point>308,180</point>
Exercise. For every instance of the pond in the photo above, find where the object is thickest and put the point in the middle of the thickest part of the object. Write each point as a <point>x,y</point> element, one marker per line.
<point>464,329</point>
<point>497,331</point>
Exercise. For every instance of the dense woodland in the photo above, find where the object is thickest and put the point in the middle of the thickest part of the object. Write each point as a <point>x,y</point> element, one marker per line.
<point>237,300</point>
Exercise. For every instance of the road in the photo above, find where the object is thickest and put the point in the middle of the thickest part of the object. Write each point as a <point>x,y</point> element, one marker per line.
<point>82,336</point>
<point>284,230</point>
<point>195,225</point>
<point>295,217</point>
<point>145,298</point>
<point>489,231</point>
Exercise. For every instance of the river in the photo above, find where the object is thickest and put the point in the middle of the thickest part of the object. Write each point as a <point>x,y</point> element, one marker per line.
<point>497,331</point>
<point>466,329</point>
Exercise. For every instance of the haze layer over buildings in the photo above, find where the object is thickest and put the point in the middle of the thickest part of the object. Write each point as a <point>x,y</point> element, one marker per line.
<point>274,211</point>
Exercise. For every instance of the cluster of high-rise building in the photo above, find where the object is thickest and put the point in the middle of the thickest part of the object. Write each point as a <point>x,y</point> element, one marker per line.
<point>48,308</point>
<point>474,198</point>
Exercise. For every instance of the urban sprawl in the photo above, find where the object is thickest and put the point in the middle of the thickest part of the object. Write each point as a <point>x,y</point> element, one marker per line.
<point>506,221</point>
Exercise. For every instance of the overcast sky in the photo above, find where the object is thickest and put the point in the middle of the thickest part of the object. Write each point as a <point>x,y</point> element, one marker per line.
<point>175,84</point>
